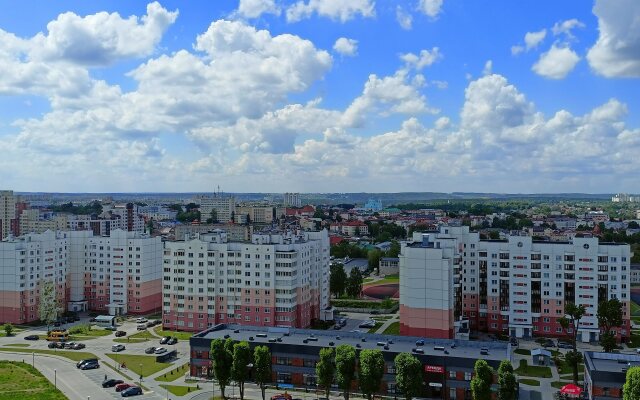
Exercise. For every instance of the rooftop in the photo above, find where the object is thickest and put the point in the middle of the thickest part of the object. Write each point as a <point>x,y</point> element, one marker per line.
<point>611,362</point>
<point>396,344</point>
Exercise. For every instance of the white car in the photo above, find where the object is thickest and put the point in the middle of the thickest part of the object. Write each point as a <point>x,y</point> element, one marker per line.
<point>160,350</point>
<point>141,320</point>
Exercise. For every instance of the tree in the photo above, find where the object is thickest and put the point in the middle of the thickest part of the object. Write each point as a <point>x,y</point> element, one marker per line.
<point>345,368</point>
<point>240,365</point>
<point>213,217</point>
<point>609,316</point>
<point>337,280</point>
<point>371,371</point>
<point>633,225</point>
<point>222,357</point>
<point>631,388</point>
<point>354,283</point>
<point>394,251</point>
<point>481,382</point>
<point>507,384</point>
<point>357,231</point>
<point>374,259</point>
<point>570,322</point>
<point>262,367</point>
<point>326,369</point>
<point>150,226</point>
<point>49,308</point>
<point>408,375</point>
<point>8,329</point>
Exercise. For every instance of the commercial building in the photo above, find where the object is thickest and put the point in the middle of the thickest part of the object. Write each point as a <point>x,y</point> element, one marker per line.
<point>119,274</point>
<point>605,374</point>
<point>389,265</point>
<point>448,365</point>
<point>255,213</point>
<point>224,207</point>
<point>516,286</point>
<point>276,279</point>
<point>7,212</point>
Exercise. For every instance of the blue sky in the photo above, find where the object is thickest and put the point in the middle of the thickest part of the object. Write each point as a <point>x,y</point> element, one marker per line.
<point>320,95</point>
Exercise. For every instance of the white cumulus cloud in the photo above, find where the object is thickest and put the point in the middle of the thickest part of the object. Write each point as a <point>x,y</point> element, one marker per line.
<point>334,9</point>
<point>255,8</point>
<point>346,47</point>
<point>405,19</point>
<point>425,59</point>
<point>533,39</point>
<point>430,8</point>
<point>565,27</point>
<point>616,53</point>
<point>556,63</point>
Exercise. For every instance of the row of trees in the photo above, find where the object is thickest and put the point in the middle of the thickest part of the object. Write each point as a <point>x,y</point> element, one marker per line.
<point>340,284</point>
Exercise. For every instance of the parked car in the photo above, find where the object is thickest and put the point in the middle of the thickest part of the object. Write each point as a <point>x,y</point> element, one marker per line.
<point>111,383</point>
<point>367,324</point>
<point>172,340</point>
<point>549,343</point>
<point>110,328</point>
<point>69,345</point>
<point>79,346</point>
<point>76,318</point>
<point>513,341</point>
<point>150,350</point>
<point>337,327</point>
<point>141,320</point>
<point>165,339</point>
<point>31,337</point>
<point>81,362</point>
<point>117,348</point>
<point>420,343</point>
<point>90,365</point>
<point>565,345</point>
<point>160,350</point>
<point>121,333</point>
<point>132,391</point>
<point>141,327</point>
<point>123,386</point>
<point>56,345</point>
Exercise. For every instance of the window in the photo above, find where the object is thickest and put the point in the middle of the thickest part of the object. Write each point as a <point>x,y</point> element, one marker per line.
<point>467,376</point>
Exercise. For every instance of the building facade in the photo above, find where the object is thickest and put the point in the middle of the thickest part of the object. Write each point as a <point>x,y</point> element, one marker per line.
<point>274,280</point>
<point>292,200</point>
<point>224,207</point>
<point>120,274</point>
<point>520,286</point>
<point>605,374</point>
<point>7,212</point>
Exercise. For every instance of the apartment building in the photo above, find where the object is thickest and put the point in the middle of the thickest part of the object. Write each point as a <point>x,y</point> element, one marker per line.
<point>235,233</point>
<point>256,213</point>
<point>276,279</point>
<point>34,220</point>
<point>519,286</point>
<point>123,217</point>
<point>119,274</point>
<point>292,200</point>
<point>7,212</point>
<point>224,207</point>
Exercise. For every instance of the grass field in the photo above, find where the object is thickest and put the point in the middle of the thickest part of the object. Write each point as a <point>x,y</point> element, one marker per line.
<point>635,308</point>
<point>387,279</point>
<point>179,390</point>
<point>564,368</point>
<point>530,382</point>
<point>535,371</point>
<point>140,365</point>
<point>393,329</point>
<point>142,336</point>
<point>22,381</point>
<point>375,327</point>
<point>178,335</point>
<point>17,345</point>
<point>634,341</point>
<point>174,374</point>
<point>71,355</point>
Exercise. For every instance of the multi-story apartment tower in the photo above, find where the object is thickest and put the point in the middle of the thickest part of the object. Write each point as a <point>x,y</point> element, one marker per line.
<point>7,212</point>
<point>292,200</point>
<point>277,279</point>
<point>520,286</point>
<point>119,274</point>
<point>224,207</point>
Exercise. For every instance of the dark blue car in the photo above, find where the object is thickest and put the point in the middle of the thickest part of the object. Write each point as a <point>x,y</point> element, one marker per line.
<point>132,391</point>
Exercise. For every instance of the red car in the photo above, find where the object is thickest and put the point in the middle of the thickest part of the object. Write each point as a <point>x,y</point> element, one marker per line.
<point>123,386</point>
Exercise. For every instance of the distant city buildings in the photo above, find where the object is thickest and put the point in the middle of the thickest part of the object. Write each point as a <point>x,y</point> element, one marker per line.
<point>516,286</point>
<point>7,213</point>
<point>292,200</point>
<point>373,205</point>
<point>625,198</point>
<point>279,279</point>
<point>224,207</point>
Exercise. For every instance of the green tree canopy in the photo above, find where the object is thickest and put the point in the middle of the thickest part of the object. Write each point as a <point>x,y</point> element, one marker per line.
<point>337,280</point>
<point>371,371</point>
<point>345,368</point>
<point>373,258</point>
<point>570,323</point>
<point>631,388</point>
<point>262,367</point>
<point>507,383</point>
<point>609,316</point>
<point>222,358</point>
<point>240,365</point>
<point>354,283</point>
<point>326,369</point>
<point>409,376</point>
<point>481,382</point>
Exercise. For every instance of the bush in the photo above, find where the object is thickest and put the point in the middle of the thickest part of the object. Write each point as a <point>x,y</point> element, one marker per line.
<point>83,328</point>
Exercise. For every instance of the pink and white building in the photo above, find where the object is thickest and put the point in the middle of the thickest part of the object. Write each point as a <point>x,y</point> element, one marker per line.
<point>276,279</point>
<point>118,274</point>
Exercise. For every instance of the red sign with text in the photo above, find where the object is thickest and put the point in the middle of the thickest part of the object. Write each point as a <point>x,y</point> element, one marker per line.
<point>434,368</point>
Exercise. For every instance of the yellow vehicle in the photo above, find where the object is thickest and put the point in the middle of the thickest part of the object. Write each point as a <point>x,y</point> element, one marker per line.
<point>58,336</point>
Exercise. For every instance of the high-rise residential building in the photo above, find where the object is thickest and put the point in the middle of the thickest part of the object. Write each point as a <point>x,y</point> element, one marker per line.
<point>517,286</point>
<point>277,279</point>
<point>118,274</point>
<point>292,200</point>
<point>7,212</point>
<point>373,205</point>
<point>224,207</point>
<point>257,213</point>
<point>125,217</point>
<point>35,221</point>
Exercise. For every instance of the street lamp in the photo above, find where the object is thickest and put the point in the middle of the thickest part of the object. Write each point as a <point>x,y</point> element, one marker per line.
<point>55,378</point>
<point>33,359</point>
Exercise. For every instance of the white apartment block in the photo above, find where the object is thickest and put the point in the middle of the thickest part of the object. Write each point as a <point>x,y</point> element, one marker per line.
<point>225,207</point>
<point>119,274</point>
<point>292,200</point>
<point>7,212</point>
<point>275,280</point>
<point>34,221</point>
<point>258,214</point>
<point>520,286</point>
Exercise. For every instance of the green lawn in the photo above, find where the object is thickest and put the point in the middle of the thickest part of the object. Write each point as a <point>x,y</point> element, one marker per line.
<point>375,327</point>
<point>17,345</point>
<point>71,355</point>
<point>559,384</point>
<point>569,377</point>
<point>118,370</point>
<point>535,371</point>
<point>564,368</point>
<point>634,341</point>
<point>386,280</point>
<point>381,317</point>
<point>179,335</point>
<point>393,329</point>
<point>179,390</point>
<point>530,382</point>
<point>145,365</point>
<point>635,308</point>
<point>174,374</point>
<point>22,381</point>
<point>142,336</point>
<point>523,352</point>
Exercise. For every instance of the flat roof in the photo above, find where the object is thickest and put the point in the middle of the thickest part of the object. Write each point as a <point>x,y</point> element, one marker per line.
<point>456,348</point>
<point>611,362</point>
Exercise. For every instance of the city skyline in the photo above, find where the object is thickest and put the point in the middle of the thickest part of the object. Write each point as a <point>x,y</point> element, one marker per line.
<point>424,95</point>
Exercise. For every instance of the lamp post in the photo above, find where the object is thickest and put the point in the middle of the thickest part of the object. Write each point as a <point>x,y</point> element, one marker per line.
<point>33,359</point>
<point>55,378</point>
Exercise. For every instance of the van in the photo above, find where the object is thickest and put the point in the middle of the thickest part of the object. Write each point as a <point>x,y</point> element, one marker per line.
<point>142,327</point>
<point>438,348</point>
